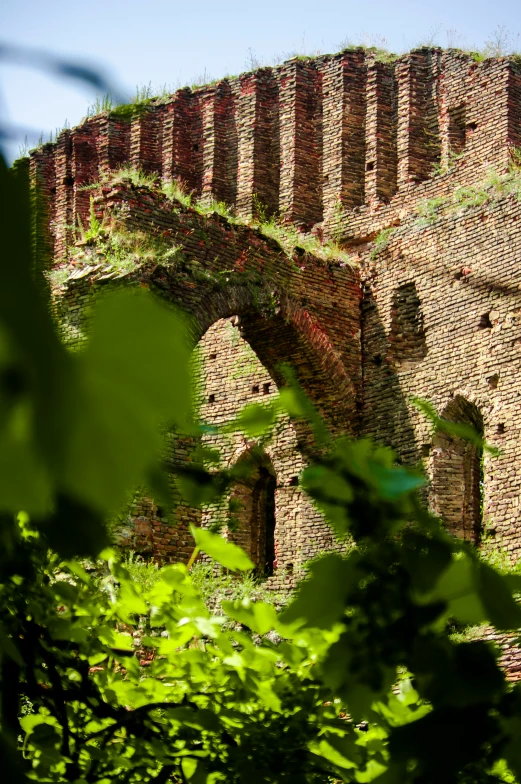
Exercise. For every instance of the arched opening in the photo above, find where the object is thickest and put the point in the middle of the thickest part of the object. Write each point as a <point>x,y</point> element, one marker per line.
<point>407,334</point>
<point>457,473</point>
<point>252,514</point>
<point>264,508</point>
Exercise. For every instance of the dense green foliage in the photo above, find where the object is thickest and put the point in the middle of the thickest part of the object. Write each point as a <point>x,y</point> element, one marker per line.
<point>104,678</point>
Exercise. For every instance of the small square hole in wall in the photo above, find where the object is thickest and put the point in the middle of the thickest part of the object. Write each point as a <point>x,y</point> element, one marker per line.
<point>255,389</point>
<point>492,381</point>
<point>266,389</point>
<point>213,356</point>
<point>196,148</point>
<point>485,322</point>
<point>211,398</point>
<point>425,450</point>
<point>501,428</point>
<point>293,481</point>
<point>369,166</point>
<point>471,126</point>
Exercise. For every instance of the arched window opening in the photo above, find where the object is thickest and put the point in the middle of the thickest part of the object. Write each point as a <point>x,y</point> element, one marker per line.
<point>253,515</point>
<point>457,474</point>
<point>407,335</point>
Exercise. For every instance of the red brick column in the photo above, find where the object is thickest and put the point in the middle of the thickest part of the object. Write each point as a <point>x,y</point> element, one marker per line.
<point>381,152</point>
<point>145,139</point>
<point>113,142</point>
<point>343,162</point>
<point>258,139</point>
<point>418,125</point>
<point>43,182</point>
<point>64,194</point>
<point>178,143</point>
<point>514,104</point>
<point>85,170</point>
<point>300,197</point>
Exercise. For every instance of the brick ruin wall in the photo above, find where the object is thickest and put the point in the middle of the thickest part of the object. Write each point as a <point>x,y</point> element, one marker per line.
<point>252,307</point>
<point>343,147</point>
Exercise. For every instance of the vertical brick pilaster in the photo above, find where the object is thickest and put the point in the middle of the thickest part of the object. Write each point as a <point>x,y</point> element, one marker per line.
<point>453,94</point>
<point>258,169</point>
<point>178,152</point>
<point>226,143</point>
<point>381,153</point>
<point>488,114</point>
<point>64,194</point>
<point>344,107</point>
<point>220,143</point>
<point>146,139</point>
<point>113,142</point>
<point>266,185</point>
<point>418,125</point>
<point>247,128</point>
<point>300,197</point>
<point>197,139</point>
<point>207,109</point>
<point>42,177</point>
<point>85,169</point>
<point>514,104</point>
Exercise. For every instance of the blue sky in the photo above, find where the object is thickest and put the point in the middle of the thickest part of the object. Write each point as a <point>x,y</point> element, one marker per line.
<point>165,42</point>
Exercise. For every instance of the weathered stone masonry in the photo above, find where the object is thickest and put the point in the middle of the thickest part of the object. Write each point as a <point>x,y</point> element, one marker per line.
<point>344,147</point>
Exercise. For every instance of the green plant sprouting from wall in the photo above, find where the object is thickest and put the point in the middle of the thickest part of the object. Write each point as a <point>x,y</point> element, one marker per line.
<point>381,242</point>
<point>113,251</point>
<point>494,186</point>
<point>285,234</point>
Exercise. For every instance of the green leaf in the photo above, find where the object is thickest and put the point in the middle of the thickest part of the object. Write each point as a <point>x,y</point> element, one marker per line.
<point>257,616</point>
<point>255,419</point>
<point>494,590</point>
<point>320,600</point>
<point>132,377</point>
<point>226,553</point>
<point>8,647</point>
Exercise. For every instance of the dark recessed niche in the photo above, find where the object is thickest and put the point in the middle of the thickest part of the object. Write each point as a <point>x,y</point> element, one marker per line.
<point>471,126</point>
<point>378,359</point>
<point>456,130</point>
<point>369,166</point>
<point>266,389</point>
<point>159,512</point>
<point>425,450</point>
<point>407,335</point>
<point>211,398</point>
<point>213,356</point>
<point>485,322</point>
<point>255,389</point>
<point>69,181</point>
<point>195,148</point>
<point>289,568</point>
<point>293,481</point>
<point>52,191</point>
<point>500,428</point>
<point>492,381</point>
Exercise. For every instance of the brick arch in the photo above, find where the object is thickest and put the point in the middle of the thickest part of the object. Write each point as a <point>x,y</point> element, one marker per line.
<point>300,531</point>
<point>457,473</point>
<point>280,331</point>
